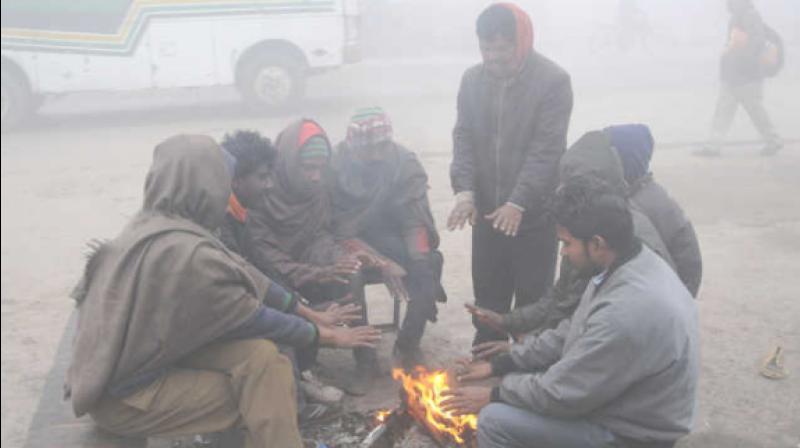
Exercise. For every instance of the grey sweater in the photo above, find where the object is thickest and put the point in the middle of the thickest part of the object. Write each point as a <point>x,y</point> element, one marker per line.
<point>627,360</point>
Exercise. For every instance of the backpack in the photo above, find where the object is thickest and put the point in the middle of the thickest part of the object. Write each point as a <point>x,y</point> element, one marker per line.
<point>772,55</point>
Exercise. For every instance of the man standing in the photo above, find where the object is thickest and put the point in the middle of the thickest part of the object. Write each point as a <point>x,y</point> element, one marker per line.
<point>621,372</point>
<point>753,50</point>
<point>513,114</point>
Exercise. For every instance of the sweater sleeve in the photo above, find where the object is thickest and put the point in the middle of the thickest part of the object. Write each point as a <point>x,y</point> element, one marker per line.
<point>549,142</point>
<point>596,369</point>
<point>540,352</point>
<point>462,169</point>
<point>281,328</point>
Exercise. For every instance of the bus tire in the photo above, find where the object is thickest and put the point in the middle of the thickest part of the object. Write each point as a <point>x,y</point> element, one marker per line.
<point>271,81</point>
<point>17,100</point>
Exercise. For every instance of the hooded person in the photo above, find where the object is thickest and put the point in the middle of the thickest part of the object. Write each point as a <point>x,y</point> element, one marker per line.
<point>634,144</point>
<point>292,233</point>
<point>250,158</point>
<point>592,162</point>
<point>381,197</point>
<point>166,310</point>
<point>513,112</point>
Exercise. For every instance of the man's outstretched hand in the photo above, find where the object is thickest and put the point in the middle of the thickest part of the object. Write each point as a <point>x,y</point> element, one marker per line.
<point>506,219</point>
<point>462,213</point>
<point>469,370</point>
<point>488,350</point>
<point>466,400</point>
<point>487,317</point>
<point>344,337</point>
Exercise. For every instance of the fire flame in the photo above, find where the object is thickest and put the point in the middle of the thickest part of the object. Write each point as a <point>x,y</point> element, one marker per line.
<point>425,393</point>
<point>381,416</point>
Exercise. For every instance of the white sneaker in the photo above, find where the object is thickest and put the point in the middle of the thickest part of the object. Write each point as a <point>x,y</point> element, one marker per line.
<point>318,392</point>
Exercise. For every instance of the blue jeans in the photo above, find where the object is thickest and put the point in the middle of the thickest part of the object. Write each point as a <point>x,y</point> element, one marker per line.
<point>504,426</point>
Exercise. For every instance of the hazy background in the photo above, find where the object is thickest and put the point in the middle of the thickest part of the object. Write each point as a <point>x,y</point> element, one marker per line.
<point>76,171</point>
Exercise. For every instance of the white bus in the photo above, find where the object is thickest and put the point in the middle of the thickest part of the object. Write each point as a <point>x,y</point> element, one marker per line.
<point>264,47</point>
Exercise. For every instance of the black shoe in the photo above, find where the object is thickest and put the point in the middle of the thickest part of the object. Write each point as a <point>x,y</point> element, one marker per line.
<point>771,149</point>
<point>316,413</point>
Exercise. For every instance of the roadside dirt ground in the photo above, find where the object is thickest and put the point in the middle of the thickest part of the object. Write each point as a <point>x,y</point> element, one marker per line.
<point>77,172</point>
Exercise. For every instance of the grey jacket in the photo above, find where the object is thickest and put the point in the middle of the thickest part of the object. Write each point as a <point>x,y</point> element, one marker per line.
<point>561,299</point>
<point>627,360</point>
<point>509,136</point>
<point>674,227</point>
<point>591,157</point>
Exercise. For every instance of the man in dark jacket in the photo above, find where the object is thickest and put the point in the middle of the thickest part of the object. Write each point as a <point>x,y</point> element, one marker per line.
<point>589,161</point>
<point>749,49</point>
<point>513,114</point>
<point>380,197</point>
<point>634,144</point>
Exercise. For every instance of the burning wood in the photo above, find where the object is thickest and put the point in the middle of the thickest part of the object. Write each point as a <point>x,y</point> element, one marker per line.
<point>424,393</point>
<point>391,426</point>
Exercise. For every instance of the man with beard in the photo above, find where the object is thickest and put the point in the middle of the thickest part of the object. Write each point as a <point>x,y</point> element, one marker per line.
<point>622,371</point>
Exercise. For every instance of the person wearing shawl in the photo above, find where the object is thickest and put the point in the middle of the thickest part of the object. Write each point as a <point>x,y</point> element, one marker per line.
<point>381,197</point>
<point>513,112</point>
<point>250,158</point>
<point>634,144</point>
<point>173,337</point>
<point>291,228</point>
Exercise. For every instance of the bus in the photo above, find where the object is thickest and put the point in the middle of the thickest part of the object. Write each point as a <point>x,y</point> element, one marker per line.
<point>266,48</point>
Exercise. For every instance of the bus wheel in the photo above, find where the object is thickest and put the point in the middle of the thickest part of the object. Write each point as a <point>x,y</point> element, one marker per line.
<point>271,81</point>
<point>15,100</point>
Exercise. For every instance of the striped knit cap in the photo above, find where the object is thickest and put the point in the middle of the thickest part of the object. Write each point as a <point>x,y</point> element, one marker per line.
<point>369,126</point>
<point>315,146</point>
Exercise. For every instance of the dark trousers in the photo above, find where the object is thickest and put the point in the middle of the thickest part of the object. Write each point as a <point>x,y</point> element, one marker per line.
<point>506,269</point>
<point>421,281</point>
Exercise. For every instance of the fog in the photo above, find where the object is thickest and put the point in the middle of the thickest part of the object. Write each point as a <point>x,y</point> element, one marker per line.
<point>74,171</point>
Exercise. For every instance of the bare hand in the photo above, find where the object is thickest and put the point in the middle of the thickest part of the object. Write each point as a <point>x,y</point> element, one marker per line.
<point>368,259</point>
<point>393,274</point>
<point>506,219</point>
<point>463,211</point>
<point>489,349</point>
<point>344,337</point>
<point>487,317</point>
<point>340,272</point>
<point>466,400</point>
<point>338,315</point>
<point>468,370</point>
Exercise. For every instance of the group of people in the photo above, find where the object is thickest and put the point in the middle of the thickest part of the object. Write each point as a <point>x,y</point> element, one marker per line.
<point>207,311</point>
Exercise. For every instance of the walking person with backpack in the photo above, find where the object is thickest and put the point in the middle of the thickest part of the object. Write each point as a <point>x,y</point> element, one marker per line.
<point>754,51</point>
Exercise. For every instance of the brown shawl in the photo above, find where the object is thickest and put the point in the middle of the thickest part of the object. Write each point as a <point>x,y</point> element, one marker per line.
<point>165,286</point>
<point>364,192</point>
<point>292,224</point>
